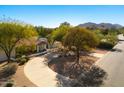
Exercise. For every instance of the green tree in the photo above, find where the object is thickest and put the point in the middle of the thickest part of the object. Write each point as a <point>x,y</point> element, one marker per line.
<point>11,33</point>
<point>80,39</point>
<point>98,34</point>
<point>111,38</point>
<point>65,24</point>
<point>59,33</point>
<point>42,31</point>
<point>121,31</point>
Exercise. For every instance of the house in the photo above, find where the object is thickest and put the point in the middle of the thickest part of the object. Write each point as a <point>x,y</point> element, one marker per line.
<point>40,43</point>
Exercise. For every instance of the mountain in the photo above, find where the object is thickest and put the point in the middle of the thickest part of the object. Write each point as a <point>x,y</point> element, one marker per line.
<point>88,25</point>
<point>118,26</point>
<point>100,26</point>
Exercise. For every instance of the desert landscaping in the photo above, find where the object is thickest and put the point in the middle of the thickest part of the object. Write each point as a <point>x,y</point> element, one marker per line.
<point>83,55</point>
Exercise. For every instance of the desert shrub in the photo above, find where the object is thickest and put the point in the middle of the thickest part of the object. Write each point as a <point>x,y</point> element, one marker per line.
<point>22,60</point>
<point>25,50</point>
<point>8,70</point>
<point>108,41</point>
<point>105,45</point>
<point>92,78</point>
<point>9,84</point>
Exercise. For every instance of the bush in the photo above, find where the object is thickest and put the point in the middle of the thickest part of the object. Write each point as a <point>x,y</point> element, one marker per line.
<point>8,70</point>
<point>93,78</point>
<point>9,84</point>
<point>22,60</point>
<point>105,45</point>
<point>25,50</point>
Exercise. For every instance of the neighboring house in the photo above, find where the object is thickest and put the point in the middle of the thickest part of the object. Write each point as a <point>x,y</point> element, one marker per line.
<point>3,55</point>
<point>41,44</point>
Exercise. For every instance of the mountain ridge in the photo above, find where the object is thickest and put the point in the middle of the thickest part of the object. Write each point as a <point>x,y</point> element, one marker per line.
<point>100,25</point>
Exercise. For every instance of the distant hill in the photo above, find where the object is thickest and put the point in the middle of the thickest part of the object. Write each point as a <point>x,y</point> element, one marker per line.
<point>100,26</point>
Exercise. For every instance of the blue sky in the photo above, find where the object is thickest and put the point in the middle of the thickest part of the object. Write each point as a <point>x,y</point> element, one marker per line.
<point>52,15</point>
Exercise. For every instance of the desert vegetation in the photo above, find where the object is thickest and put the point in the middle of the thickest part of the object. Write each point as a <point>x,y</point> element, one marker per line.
<point>80,41</point>
<point>11,33</point>
<point>75,45</point>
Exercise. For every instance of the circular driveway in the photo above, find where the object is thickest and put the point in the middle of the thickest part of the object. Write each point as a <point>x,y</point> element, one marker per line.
<point>39,73</point>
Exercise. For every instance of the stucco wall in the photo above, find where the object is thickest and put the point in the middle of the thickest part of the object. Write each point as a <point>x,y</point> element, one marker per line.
<point>3,55</point>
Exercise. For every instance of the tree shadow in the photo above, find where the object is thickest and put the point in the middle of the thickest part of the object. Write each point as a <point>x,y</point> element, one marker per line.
<point>71,74</point>
<point>60,65</point>
<point>116,50</point>
<point>93,78</point>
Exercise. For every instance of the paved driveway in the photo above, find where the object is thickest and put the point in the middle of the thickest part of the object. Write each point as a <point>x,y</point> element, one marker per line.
<point>113,64</point>
<point>39,73</point>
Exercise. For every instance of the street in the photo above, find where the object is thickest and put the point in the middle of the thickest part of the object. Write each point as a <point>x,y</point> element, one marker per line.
<point>113,64</point>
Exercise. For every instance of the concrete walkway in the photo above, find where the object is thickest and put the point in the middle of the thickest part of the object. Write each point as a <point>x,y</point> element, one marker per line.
<point>20,79</point>
<point>39,73</point>
<point>98,55</point>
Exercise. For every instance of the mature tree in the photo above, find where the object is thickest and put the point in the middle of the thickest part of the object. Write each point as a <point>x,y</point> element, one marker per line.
<point>43,32</point>
<point>59,33</point>
<point>64,24</point>
<point>11,33</point>
<point>121,31</point>
<point>98,34</point>
<point>80,39</point>
<point>111,38</point>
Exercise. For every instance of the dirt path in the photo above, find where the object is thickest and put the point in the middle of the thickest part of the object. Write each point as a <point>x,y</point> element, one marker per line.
<point>21,80</point>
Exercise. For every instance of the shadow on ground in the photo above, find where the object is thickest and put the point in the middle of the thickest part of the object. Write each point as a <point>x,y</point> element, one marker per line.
<point>93,78</point>
<point>116,50</point>
<point>8,70</point>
